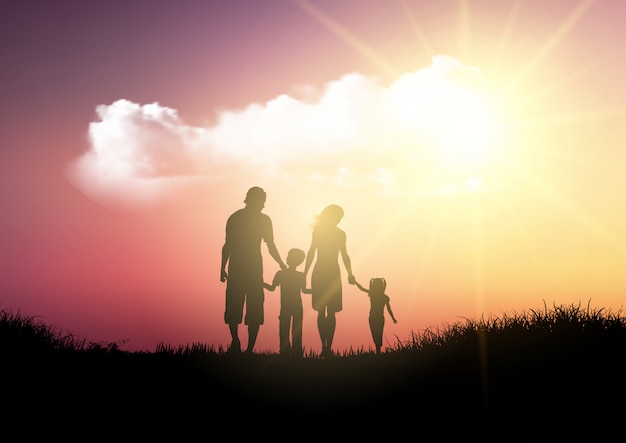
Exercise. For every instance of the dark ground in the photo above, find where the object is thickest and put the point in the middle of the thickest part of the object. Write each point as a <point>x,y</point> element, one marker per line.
<point>550,394</point>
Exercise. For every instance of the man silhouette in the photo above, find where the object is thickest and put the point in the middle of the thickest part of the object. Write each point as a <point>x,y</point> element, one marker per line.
<point>245,229</point>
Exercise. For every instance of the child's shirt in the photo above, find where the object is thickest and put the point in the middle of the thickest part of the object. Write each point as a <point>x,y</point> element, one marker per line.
<point>291,283</point>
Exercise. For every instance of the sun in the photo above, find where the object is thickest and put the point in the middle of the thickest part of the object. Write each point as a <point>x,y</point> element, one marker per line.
<point>470,130</point>
<point>454,122</point>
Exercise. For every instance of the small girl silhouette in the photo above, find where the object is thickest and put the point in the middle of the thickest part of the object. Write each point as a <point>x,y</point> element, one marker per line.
<point>378,301</point>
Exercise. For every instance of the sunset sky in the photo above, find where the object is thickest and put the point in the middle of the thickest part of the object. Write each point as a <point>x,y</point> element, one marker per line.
<point>476,147</point>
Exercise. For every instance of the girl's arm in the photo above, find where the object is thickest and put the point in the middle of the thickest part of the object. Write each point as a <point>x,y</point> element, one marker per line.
<point>358,285</point>
<point>391,312</point>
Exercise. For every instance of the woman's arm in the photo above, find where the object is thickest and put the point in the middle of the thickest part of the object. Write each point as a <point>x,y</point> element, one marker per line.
<point>310,255</point>
<point>346,260</point>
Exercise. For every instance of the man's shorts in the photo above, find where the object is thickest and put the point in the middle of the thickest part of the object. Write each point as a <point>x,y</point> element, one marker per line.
<point>240,293</point>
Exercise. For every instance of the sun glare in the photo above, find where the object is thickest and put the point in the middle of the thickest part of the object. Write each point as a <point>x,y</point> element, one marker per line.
<point>454,123</point>
<point>470,132</point>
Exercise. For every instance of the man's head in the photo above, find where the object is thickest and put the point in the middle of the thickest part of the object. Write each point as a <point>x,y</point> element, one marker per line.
<point>255,197</point>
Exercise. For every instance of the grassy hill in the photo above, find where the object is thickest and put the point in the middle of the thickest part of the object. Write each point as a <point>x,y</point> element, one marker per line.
<point>549,374</point>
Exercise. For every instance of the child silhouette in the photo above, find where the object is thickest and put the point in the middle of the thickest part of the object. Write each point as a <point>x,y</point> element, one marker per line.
<point>292,282</point>
<point>378,301</point>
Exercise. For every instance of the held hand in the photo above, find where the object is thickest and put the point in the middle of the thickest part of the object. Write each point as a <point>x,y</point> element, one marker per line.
<point>351,279</point>
<point>223,276</point>
<point>395,321</point>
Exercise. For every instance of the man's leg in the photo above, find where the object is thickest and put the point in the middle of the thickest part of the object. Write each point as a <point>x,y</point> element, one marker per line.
<point>253,331</point>
<point>254,309</point>
<point>233,315</point>
<point>235,345</point>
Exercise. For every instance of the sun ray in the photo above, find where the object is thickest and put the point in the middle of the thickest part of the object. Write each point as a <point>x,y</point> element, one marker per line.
<point>558,36</point>
<point>568,118</point>
<point>347,37</point>
<point>564,81</point>
<point>479,284</point>
<point>519,227</point>
<point>596,228</point>
<point>393,221</point>
<point>477,247</point>
<point>420,35</point>
<point>464,33</point>
<point>582,161</point>
<point>508,28</point>
<point>430,241</point>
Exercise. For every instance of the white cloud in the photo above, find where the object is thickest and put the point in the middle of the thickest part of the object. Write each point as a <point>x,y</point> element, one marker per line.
<point>356,132</point>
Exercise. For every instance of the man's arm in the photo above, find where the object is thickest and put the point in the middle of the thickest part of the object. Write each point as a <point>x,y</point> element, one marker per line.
<point>273,250</point>
<point>225,256</point>
<point>268,236</point>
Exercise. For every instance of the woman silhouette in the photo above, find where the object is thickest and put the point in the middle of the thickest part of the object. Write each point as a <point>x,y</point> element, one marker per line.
<point>327,242</point>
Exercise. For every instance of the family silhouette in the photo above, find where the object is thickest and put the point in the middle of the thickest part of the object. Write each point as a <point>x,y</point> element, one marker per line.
<point>246,229</point>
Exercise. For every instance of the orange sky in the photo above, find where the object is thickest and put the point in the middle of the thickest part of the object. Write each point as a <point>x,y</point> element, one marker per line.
<point>475,146</point>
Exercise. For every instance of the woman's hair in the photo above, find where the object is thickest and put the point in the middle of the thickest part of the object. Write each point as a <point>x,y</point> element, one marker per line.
<point>330,216</point>
<point>378,284</point>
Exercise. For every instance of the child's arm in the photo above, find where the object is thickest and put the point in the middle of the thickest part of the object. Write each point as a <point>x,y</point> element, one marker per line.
<point>391,312</point>
<point>274,283</point>
<point>358,285</point>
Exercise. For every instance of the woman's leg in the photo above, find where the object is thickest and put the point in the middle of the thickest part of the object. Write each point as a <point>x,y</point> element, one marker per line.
<point>321,328</point>
<point>331,323</point>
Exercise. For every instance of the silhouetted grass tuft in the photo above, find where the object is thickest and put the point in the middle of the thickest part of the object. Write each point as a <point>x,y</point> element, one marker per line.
<point>567,322</point>
<point>24,334</point>
<point>548,374</point>
<point>193,349</point>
